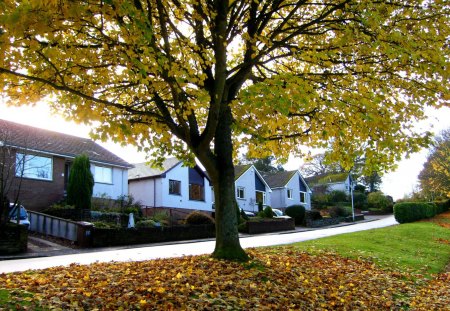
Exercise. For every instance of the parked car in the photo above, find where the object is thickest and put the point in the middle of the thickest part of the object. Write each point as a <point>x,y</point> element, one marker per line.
<point>23,215</point>
<point>279,214</point>
<point>249,214</point>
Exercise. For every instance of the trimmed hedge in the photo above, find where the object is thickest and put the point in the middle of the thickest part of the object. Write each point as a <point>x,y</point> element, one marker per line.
<point>297,212</point>
<point>413,211</point>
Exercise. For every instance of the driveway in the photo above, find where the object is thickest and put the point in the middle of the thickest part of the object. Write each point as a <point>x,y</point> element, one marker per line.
<point>184,248</point>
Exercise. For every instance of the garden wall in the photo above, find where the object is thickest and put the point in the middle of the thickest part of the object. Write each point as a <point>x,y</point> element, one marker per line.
<point>112,237</point>
<point>269,225</point>
<point>13,239</point>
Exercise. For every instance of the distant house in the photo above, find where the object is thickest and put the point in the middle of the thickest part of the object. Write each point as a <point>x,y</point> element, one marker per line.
<point>288,188</point>
<point>173,186</point>
<point>43,159</point>
<point>331,182</point>
<point>251,188</point>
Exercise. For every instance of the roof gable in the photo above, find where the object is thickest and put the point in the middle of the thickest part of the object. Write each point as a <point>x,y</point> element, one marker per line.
<point>239,170</point>
<point>144,170</point>
<point>48,142</point>
<point>279,179</point>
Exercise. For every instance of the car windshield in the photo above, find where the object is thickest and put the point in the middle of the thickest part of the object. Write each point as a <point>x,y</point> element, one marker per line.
<point>278,212</point>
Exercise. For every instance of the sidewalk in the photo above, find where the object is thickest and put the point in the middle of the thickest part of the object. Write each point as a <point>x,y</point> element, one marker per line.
<point>43,254</point>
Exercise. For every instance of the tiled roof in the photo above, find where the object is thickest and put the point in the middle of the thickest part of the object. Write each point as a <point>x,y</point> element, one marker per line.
<point>143,170</point>
<point>240,169</point>
<point>327,178</point>
<point>49,142</point>
<point>278,179</point>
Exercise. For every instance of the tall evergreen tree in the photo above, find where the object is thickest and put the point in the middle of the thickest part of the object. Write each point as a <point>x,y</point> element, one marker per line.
<point>81,183</point>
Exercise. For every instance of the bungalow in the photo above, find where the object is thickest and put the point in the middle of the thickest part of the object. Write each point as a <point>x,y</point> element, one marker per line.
<point>173,186</point>
<point>46,157</point>
<point>288,188</point>
<point>251,188</point>
<point>331,182</point>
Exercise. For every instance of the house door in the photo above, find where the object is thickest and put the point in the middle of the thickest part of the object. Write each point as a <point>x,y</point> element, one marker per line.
<point>260,197</point>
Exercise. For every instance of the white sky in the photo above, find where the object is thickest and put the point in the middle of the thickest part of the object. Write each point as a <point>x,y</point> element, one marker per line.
<point>398,183</point>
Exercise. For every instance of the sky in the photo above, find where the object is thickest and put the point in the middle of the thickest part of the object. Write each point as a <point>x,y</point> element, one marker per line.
<point>398,183</point>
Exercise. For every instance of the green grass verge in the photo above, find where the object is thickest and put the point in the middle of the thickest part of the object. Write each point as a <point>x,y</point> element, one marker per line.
<point>419,247</point>
<point>17,300</point>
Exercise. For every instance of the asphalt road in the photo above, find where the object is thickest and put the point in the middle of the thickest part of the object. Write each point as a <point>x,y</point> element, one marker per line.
<point>182,249</point>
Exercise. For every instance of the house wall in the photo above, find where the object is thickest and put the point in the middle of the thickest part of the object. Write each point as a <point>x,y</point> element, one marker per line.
<point>181,173</point>
<point>247,180</point>
<point>341,186</point>
<point>118,187</point>
<point>280,199</point>
<point>143,191</point>
<point>37,195</point>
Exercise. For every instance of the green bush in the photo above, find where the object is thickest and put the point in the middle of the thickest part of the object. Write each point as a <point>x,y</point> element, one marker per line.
<point>359,200</point>
<point>106,225</point>
<point>297,212</point>
<point>260,207</point>
<point>267,212</point>
<point>81,183</point>
<point>199,218</point>
<point>161,216</point>
<point>413,211</point>
<point>442,206</point>
<point>340,211</point>
<point>337,196</point>
<point>312,215</point>
<point>379,201</point>
<point>147,223</point>
<point>319,200</point>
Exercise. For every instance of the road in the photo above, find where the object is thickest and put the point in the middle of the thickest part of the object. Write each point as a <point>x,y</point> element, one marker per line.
<point>188,248</point>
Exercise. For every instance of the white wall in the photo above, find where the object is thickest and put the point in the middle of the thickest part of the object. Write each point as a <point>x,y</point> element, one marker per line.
<point>280,199</point>
<point>142,191</point>
<point>118,187</point>
<point>247,180</point>
<point>181,173</point>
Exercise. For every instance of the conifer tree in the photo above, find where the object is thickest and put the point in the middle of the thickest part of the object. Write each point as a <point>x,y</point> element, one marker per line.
<point>81,183</point>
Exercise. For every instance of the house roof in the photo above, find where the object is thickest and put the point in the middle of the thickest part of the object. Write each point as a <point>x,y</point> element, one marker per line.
<point>53,143</point>
<point>278,179</point>
<point>144,170</point>
<point>240,169</point>
<point>326,178</point>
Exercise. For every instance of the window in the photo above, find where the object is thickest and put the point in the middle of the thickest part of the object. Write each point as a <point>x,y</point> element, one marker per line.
<point>32,166</point>
<point>103,174</point>
<point>196,192</point>
<point>302,197</point>
<point>174,187</point>
<point>260,197</point>
<point>289,193</point>
<point>240,192</point>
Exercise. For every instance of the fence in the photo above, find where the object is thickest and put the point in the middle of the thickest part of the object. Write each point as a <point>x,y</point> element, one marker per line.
<point>54,226</point>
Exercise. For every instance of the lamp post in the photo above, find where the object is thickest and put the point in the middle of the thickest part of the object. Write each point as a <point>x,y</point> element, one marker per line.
<point>351,194</point>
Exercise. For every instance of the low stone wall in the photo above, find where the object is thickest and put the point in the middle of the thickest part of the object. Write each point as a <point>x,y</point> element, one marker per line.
<point>269,225</point>
<point>112,237</point>
<point>358,217</point>
<point>13,239</point>
<point>321,222</point>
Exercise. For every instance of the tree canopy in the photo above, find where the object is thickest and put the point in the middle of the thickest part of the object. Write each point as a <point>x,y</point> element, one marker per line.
<point>434,178</point>
<point>203,78</point>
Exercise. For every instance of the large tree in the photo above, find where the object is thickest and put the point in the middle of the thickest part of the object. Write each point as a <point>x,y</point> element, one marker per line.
<point>202,78</point>
<point>434,178</point>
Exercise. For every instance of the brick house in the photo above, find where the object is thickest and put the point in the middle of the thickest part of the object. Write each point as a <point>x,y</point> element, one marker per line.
<point>39,163</point>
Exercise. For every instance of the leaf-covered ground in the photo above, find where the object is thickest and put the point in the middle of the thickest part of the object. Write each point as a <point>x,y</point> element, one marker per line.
<point>275,278</point>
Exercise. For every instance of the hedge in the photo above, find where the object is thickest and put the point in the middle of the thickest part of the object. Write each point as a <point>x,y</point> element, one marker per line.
<point>412,211</point>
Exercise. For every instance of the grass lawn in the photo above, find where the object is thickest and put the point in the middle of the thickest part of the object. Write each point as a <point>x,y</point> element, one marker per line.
<point>420,247</point>
<point>385,269</point>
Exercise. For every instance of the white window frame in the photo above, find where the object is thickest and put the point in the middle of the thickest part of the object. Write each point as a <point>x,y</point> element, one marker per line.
<point>100,176</point>
<point>289,194</point>
<point>26,167</point>
<point>240,192</point>
<point>304,196</point>
<point>179,188</point>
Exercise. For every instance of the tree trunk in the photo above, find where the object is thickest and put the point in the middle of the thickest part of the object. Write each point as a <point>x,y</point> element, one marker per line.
<point>227,236</point>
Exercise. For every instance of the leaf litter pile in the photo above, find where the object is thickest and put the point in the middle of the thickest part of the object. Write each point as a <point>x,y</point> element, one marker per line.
<point>275,278</point>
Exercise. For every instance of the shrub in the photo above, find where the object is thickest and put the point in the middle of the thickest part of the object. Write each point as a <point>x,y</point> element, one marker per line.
<point>312,215</point>
<point>106,225</point>
<point>379,201</point>
<point>199,218</point>
<point>337,196</point>
<point>319,200</point>
<point>297,212</point>
<point>359,200</point>
<point>81,183</point>
<point>268,213</point>
<point>147,223</point>
<point>413,211</point>
<point>442,206</point>
<point>260,207</point>
<point>161,217</point>
<point>340,211</point>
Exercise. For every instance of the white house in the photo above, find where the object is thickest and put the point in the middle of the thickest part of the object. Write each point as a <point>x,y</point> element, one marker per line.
<point>251,188</point>
<point>332,182</point>
<point>288,188</point>
<point>174,186</point>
